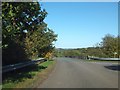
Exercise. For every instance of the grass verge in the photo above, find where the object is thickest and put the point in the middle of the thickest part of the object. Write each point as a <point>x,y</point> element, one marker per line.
<point>29,77</point>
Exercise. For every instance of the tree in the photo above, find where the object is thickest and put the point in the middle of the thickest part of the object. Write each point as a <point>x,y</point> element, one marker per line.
<point>24,30</point>
<point>17,17</point>
<point>40,42</point>
<point>110,45</point>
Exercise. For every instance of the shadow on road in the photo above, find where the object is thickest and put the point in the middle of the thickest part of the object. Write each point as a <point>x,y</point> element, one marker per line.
<point>113,67</point>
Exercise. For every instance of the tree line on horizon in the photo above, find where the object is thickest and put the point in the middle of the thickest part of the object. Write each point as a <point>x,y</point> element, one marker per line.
<point>107,48</point>
<point>25,35</point>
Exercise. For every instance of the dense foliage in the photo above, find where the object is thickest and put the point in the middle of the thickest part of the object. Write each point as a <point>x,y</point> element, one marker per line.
<point>109,46</point>
<point>25,35</point>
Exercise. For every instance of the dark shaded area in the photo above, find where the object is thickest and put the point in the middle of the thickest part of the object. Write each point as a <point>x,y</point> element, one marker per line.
<point>21,74</point>
<point>113,67</point>
<point>13,54</point>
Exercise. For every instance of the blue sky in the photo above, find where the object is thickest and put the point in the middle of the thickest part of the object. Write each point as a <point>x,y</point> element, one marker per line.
<point>81,24</point>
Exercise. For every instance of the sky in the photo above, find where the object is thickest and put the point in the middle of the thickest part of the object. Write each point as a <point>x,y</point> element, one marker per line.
<point>81,24</point>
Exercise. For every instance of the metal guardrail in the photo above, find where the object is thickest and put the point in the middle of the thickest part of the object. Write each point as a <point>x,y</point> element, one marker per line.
<point>94,58</point>
<point>21,65</point>
<point>109,59</point>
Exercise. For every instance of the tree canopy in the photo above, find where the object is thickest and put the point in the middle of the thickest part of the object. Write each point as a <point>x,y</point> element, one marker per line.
<point>109,45</point>
<point>24,32</point>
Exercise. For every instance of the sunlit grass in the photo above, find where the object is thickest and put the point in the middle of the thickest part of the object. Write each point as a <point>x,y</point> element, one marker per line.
<point>26,76</point>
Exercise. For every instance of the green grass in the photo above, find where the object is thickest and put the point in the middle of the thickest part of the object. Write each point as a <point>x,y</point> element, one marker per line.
<point>26,76</point>
<point>47,63</point>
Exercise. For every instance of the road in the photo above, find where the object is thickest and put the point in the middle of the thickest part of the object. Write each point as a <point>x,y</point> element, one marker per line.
<point>76,73</point>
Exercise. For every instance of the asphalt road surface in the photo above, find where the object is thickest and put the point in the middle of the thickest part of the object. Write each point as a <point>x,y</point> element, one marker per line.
<point>76,73</point>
